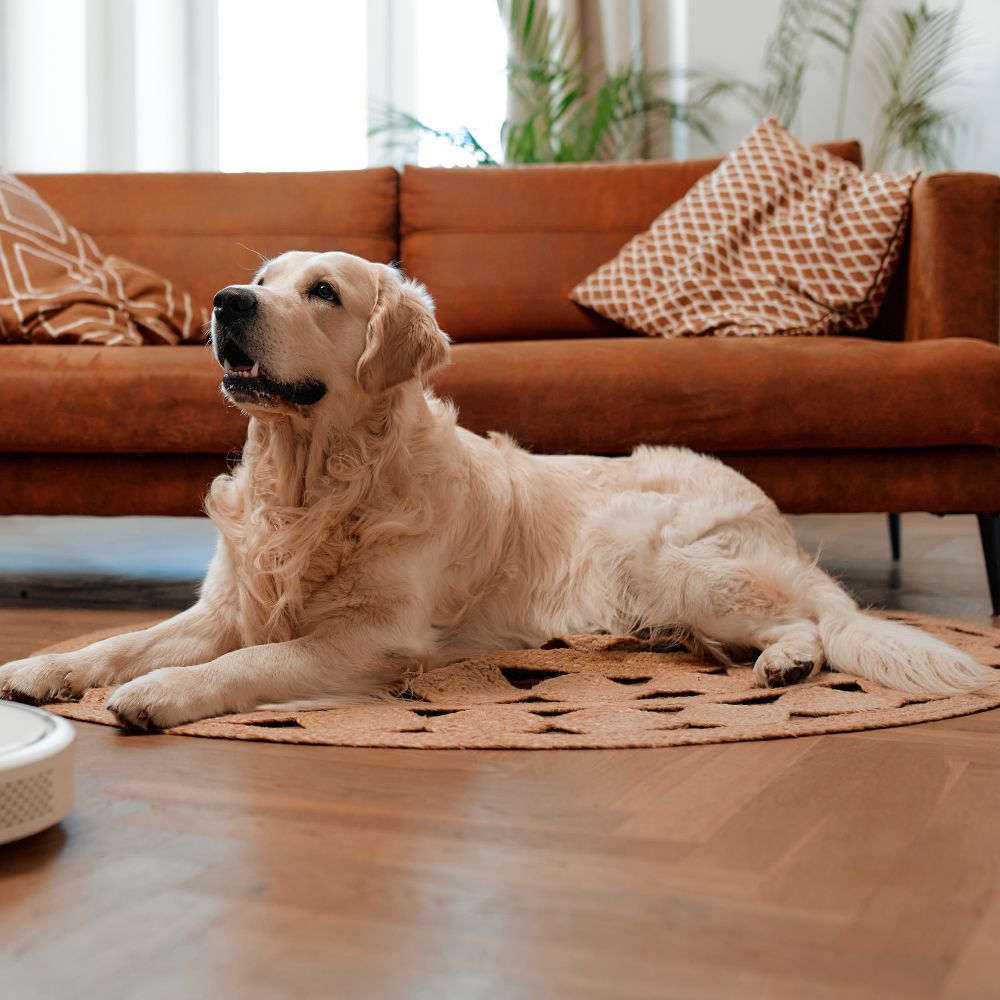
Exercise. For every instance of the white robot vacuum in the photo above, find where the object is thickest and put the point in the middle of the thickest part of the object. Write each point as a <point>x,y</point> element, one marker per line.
<point>36,770</point>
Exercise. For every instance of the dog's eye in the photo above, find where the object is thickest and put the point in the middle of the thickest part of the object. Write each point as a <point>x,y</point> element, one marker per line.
<point>323,291</point>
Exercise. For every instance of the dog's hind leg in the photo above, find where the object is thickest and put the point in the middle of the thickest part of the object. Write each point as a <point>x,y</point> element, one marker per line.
<point>732,581</point>
<point>729,573</point>
<point>754,610</point>
<point>807,617</point>
<point>764,604</point>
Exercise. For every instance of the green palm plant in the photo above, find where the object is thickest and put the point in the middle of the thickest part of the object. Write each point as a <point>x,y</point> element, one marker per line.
<point>837,25</point>
<point>915,56</point>
<point>787,55</point>
<point>568,113</point>
<point>563,110</point>
<point>915,64</point>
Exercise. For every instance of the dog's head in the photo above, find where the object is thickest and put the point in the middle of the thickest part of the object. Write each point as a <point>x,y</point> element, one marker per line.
<point>314,328</point>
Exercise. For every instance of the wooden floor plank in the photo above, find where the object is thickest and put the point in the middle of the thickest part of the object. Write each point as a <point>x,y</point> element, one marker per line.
<point>938,890</point>
<point>895,797</point>
<point>694,807</point>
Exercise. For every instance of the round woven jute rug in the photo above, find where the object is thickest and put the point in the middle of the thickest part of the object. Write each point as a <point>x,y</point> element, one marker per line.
<point>594,692</point>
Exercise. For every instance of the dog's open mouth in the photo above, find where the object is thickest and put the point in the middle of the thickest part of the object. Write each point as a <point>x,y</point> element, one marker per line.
<point>244,381</point>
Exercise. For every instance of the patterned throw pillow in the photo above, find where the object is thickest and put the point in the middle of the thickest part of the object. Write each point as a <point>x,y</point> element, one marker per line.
<point>782,238</point>
<point>56,286</point>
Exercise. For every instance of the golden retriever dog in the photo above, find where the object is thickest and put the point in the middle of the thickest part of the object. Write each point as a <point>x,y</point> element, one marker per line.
<point>365,535</point>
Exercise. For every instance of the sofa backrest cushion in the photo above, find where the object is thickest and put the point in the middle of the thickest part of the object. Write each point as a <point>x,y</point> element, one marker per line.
<point>500,248</point>
<point>205,231</point>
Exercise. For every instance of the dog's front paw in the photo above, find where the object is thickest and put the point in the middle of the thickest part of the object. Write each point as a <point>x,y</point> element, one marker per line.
<point>158,700</point>
<point>38,679</point>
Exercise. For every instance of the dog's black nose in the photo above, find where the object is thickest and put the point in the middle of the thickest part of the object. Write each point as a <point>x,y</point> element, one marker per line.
<point>235,301</point>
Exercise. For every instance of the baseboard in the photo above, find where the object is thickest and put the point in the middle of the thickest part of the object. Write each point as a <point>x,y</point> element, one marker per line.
<point>54,590</point>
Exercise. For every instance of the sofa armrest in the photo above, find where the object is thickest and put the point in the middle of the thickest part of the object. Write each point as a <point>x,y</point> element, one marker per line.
<point>953,279</point>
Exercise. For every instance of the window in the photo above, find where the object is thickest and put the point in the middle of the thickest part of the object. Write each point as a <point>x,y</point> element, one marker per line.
<point>300,82</point>
<point>242,84</point>
<point>461,56</point>
<point>293,92</point>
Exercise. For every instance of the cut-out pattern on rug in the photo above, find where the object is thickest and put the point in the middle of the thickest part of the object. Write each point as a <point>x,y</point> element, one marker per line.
<point>596,692</point>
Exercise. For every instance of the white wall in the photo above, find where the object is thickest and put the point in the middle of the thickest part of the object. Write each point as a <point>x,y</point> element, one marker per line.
<point>978,147</point>
<point>728,38</point>
<point>730,35</point>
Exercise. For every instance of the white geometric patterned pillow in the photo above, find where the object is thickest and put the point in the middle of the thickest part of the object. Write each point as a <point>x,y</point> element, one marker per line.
<point>781,238</point>
<point>57,287</point>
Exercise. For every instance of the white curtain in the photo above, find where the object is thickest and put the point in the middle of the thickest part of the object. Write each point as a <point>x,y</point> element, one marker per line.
<point>108,85</point>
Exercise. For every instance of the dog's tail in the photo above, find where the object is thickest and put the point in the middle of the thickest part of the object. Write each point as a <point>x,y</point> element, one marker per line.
<point>893,654</point>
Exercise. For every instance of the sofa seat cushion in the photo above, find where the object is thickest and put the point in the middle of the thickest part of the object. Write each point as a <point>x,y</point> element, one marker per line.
<point>75,398</point>
<point>743,394</point>
<point>594,395</point>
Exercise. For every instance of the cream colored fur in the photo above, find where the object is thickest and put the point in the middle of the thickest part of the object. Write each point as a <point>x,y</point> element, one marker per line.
<point>369,535</point>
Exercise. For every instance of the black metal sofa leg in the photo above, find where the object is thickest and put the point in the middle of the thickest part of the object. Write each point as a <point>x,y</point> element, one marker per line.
<point>989,530</point>
<point>894,538</point>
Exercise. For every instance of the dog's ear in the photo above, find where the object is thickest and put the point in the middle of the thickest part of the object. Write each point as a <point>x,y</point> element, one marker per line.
<point>403,339</point>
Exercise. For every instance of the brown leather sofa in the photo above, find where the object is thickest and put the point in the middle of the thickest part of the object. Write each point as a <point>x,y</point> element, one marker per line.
<point>905,418</point>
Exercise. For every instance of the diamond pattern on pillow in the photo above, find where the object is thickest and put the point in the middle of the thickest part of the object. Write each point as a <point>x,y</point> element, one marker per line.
<point>56,286</point>
<point>782,238</point>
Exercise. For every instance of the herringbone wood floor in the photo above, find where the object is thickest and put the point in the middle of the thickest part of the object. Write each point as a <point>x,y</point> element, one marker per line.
<point>861,866</point>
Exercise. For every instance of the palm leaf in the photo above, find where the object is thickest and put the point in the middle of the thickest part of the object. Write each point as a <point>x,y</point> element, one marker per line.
<point>546,76</point>
<point>837,24</point>
<point>916,52</point>
<point>401,127</point>
<point>787,55</point>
